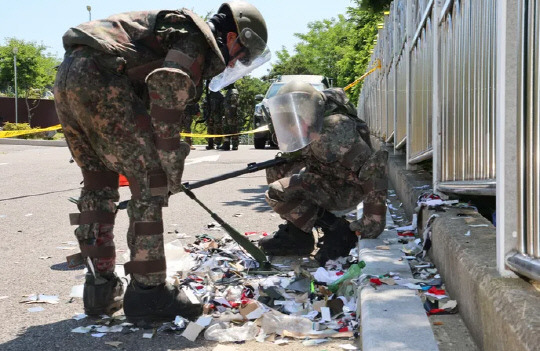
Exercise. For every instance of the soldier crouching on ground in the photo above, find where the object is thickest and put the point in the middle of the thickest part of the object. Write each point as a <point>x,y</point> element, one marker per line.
<point>120,93</point>
<point>333,168</point>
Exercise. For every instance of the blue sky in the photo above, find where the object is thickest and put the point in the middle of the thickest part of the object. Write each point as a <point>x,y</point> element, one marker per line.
<point>45,22</point>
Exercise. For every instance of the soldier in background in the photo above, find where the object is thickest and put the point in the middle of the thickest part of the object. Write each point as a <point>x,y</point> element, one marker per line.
<point>230,121</point>
<point>191,112</point>
<point>333,169</point>
<point>120,93</point>
<point>214,118</point>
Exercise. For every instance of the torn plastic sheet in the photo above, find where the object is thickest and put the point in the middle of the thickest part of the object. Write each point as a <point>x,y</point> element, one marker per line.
<point>223,333</point>
<point>324,276</point>
<point>178,260</point>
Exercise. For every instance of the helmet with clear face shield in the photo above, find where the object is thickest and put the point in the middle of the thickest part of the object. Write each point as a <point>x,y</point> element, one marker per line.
<point>249,50</point>
<point>297,113</point>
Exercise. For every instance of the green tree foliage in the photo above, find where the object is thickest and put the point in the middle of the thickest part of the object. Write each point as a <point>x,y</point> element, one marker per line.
<point>248,87</point>
<point>35,68</point>
<point>339,48</point>
<point>355,61</point>
<point>318,50</point>
<point>374,6</point>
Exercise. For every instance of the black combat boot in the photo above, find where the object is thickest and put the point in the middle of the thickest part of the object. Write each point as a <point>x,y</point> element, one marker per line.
<point>288,240</point>
<point>158,303</point>
<point>102,294</point>
<point>210,145</point>
<point>226,146</point>
<point>338,238</point>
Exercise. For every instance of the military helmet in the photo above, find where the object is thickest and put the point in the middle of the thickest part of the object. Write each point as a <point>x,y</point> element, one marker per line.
<point>246,16</point>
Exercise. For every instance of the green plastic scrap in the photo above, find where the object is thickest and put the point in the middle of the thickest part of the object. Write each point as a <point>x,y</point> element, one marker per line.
<point>354,271</point>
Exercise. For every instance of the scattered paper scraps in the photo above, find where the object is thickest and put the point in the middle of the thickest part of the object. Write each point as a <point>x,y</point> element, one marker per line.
<point>40,298</point>
<point>36,309</point>
<point>113,343</point>
<point>79,316</point>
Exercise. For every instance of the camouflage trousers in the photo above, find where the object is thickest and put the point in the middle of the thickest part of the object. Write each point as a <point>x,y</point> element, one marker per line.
<point>108,131</point>
<point>214,125</point>
<point>297,194</point>
<point>230,126</point>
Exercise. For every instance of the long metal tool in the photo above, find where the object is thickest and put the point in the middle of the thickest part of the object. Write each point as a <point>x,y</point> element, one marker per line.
<point>253,250</point>
<point>250,168</point>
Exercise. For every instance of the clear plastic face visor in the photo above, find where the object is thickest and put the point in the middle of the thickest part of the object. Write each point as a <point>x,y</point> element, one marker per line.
<point>249,52</point>
<point>297,119</point>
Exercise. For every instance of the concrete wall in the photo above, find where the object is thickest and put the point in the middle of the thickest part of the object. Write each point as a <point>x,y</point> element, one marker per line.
<point>44,114</point>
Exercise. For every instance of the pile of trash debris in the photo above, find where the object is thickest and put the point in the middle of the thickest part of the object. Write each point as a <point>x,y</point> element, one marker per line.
<point>295,300</point>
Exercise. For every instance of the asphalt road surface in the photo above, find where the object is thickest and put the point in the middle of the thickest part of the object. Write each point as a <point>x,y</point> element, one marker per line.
<point>35,185</point>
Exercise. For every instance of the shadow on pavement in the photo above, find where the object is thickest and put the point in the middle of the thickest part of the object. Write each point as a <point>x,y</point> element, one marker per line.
<point>58,336</point>
<point>257,201</point>
<point>64,267</point>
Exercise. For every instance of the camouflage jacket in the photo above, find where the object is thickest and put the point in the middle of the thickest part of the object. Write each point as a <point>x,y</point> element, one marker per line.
<point>340,149</point>
<point>231,103</point>
<point>169,50</point>
<point>215,104</point>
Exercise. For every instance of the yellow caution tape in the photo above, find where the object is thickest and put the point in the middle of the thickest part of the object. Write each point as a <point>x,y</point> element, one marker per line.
<point>260,129</point>
<point>14,133</point>
<point>377,66</point>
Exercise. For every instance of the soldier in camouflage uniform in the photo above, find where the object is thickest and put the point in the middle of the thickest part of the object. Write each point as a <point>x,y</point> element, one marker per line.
<point>335,172</point>
<point>192,111</point>
<point>230,122</point>
<point>120,93</point>
<point>214,122</point>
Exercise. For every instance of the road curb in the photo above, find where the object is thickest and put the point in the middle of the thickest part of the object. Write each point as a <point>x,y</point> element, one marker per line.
<point>34,142</point>
<point>391,317</point>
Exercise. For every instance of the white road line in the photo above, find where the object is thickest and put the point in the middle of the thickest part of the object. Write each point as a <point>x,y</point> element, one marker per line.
<point>192,161</point>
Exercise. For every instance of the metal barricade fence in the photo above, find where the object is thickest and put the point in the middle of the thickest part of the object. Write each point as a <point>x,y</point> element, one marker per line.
<point>438,87</point>
<point>400,129</point>
<point>421,63</point>
<point>525,258</point>
<point>467,89</point>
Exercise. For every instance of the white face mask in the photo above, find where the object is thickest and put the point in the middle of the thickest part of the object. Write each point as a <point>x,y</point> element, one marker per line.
<point>253,53</point>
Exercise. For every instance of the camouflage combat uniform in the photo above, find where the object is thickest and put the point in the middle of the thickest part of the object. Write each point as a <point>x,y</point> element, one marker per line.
<point>214,123</point>
<point>335,172</point>
<point>115,71</point>
<point>230,122</point>
<point>191,111</point>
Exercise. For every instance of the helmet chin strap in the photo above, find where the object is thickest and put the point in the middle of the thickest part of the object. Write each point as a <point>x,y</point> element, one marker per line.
<point>214,22</point>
